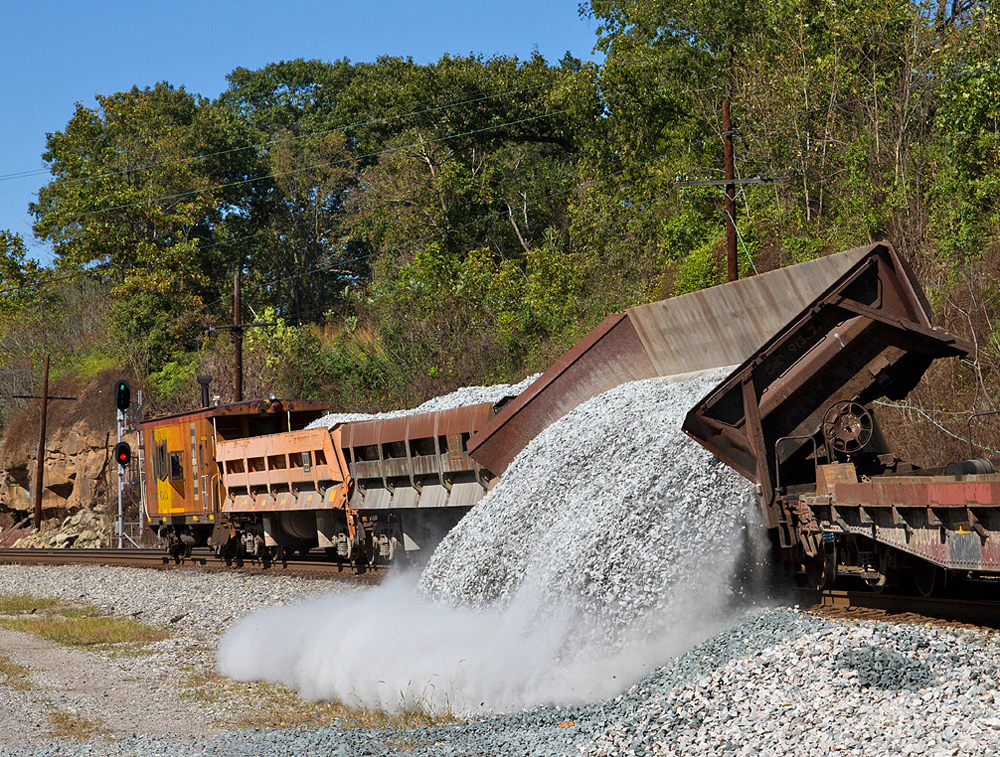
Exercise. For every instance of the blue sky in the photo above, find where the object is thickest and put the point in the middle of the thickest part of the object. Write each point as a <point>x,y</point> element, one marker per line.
<point>56,54</point>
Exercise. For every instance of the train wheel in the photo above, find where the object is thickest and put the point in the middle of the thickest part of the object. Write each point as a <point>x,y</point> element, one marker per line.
<point>888,574</point>
<point>929,579</point>
<point>819,574</point>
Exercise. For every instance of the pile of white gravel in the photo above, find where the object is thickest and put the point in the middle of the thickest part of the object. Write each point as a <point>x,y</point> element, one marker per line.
<point>468,395</point>
<point>608,546</point>
<point>612,514</point>
<point>783,683</point>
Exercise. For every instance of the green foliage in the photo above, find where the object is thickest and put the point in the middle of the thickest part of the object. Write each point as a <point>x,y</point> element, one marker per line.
<point>699,269</point>
<point>129,199</point>
<point>800,249</point>
<point>86,363</point>
<point>966,190</point>
<point>19,277</point>
<point>176,377</point>
<point>412,227</point>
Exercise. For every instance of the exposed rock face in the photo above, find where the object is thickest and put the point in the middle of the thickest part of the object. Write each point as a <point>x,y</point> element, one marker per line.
<point>79,471</point>
<point>84,530</point>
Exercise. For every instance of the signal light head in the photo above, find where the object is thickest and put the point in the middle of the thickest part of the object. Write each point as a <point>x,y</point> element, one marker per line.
<point>123,395</point>
<point>123,453</point>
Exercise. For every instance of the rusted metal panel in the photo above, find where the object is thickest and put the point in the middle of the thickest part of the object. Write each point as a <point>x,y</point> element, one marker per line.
<point>868,335</point>
<point>914,492</point>
<point>335,497</point>
<point>375,498</point>
<point>714,328</point>
<point>304,410</point>
<point>462,420</point>
<point>725,324</point>
<point>293,461</point>
<point>393,459</point>
<point>405,497</point>
<point>611,354</point>
<point>246,503</point>
<point>309,501</point>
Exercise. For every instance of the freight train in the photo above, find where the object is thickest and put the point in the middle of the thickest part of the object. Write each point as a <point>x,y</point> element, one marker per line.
<point>797,418</point>
<point>816,344</point>
<point>253,481</point>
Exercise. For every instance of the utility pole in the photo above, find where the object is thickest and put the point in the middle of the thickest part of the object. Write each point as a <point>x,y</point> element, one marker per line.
<point>40,459</point>
<point>237,329</point>
<point>238,337</point>
<point>727,133</point>
<point>729,183</point>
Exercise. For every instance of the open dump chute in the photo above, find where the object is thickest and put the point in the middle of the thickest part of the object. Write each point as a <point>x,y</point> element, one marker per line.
<point>713,328</point>
<point>867,335</point>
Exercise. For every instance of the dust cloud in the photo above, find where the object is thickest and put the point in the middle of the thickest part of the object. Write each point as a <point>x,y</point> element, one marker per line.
<point>610,545</point>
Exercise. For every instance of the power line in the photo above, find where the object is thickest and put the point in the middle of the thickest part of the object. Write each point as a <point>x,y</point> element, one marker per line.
<point>272,142</point>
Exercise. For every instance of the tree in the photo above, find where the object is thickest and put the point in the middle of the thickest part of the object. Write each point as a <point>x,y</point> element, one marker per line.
<point>19,277</point>
<point>132,200</point>
<point>293,244</point>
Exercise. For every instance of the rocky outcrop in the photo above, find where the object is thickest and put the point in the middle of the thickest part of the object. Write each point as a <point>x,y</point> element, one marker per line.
<point>84,530</point>
<point>79,474</point>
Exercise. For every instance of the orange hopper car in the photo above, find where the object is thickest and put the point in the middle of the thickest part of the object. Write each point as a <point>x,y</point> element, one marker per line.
<point>251,481</point>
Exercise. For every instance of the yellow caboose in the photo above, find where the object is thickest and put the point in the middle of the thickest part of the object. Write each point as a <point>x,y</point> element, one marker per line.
<point>180,477</point>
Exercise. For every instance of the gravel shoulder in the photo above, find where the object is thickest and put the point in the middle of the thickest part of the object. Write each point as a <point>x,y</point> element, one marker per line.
<point>127,696</point>
<point>777,682</point>
<point>119,700</point>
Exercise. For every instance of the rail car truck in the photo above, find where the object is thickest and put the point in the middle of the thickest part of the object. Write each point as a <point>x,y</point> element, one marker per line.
<point>797,418</point>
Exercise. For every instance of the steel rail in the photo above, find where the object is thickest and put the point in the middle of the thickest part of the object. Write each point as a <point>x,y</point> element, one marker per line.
<point>862,605</point>
<point>199,559</point>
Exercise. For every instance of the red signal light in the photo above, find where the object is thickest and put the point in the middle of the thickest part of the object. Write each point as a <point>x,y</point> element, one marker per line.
<point>123,453</point>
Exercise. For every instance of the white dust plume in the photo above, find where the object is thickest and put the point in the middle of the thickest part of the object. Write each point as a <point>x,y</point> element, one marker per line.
<point>608,546</point>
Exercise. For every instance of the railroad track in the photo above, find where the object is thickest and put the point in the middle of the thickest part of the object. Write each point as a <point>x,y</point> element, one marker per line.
<point>200,559</point>
<point>859,605</point>
<point>863,605</point>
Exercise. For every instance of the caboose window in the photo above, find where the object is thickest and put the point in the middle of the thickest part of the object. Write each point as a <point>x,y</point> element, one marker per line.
<point>176,466</point>
<point>160,461</point>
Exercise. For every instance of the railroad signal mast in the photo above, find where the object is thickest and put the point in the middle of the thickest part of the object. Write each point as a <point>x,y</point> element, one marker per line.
<point>128,414</point>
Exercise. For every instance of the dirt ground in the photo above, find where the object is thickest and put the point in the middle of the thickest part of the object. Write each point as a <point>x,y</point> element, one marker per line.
<point>117,698</point>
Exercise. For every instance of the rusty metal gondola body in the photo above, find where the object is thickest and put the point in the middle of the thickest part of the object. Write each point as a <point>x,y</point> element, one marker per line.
<point>796,418</point>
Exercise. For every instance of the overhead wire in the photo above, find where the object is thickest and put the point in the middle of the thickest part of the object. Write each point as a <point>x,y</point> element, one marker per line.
<point>268,143</point>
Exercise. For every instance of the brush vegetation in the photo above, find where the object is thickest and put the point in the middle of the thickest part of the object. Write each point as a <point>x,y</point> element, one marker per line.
<point>12,675</point>
<point>75,625</point>
<point>67,724</point>
<point>20,604</point>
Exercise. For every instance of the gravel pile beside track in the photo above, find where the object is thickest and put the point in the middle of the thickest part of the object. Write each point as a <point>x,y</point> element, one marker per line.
<point>612,513</point>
